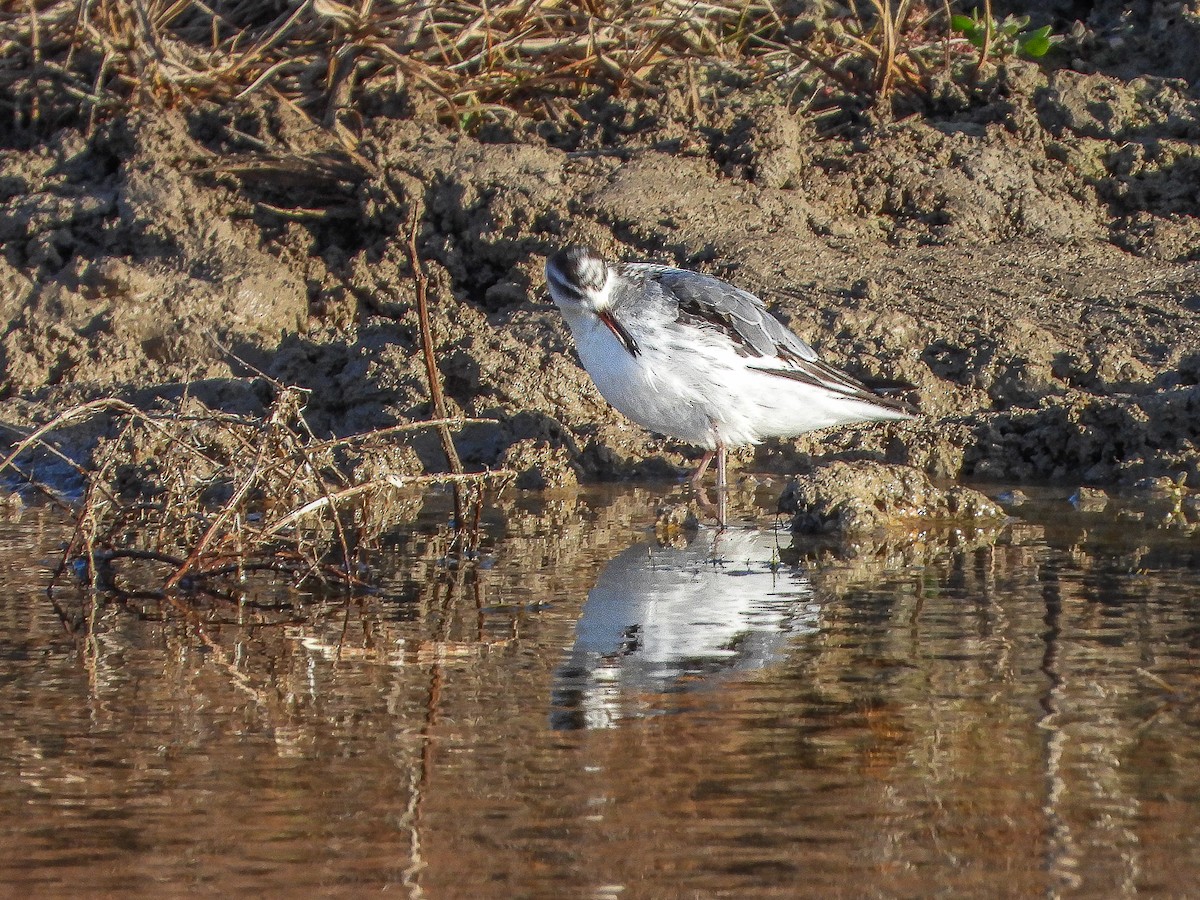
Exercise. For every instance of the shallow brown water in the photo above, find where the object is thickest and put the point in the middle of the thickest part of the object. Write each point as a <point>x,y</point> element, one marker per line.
<point>581,713</point>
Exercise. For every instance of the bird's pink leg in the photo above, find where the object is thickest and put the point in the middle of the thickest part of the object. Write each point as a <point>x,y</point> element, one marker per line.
<point>698,478</point>
<point>721,485</point>
<point>698,475</point>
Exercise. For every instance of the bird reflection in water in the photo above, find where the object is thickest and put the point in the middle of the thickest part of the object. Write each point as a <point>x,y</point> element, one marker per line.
<point>665,619</point>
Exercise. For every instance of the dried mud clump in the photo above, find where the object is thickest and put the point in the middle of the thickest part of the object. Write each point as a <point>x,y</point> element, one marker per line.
<point>539,466</point>
<point>1103,440</point>
<point>849,498</point>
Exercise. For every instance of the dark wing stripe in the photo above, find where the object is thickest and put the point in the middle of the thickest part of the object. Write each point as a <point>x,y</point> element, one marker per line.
<point>693,314</point>
<point>821,375</point>
<point>887,388</point>
<point>709,302</point>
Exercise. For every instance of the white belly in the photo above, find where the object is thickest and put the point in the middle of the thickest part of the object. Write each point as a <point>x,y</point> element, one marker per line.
<point>706,393</point>
<point>647,387</point>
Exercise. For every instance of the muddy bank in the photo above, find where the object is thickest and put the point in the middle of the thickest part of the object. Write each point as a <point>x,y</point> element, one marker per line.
<point>1023,254</point>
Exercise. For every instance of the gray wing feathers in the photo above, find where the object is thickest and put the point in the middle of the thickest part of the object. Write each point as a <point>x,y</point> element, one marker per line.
<point>821,374</point>
<point>724,306</point>
<point>744,318</point>
<point>741,311</point>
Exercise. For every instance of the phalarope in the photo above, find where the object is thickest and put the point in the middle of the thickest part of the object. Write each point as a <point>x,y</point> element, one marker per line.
<point>690,356</point>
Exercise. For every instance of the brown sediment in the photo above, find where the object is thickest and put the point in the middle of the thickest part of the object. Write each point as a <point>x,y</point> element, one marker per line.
<point>1021,249</point>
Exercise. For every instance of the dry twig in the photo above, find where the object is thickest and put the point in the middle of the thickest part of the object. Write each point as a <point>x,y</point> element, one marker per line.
<point>474,59</point>
<point>212,496</point>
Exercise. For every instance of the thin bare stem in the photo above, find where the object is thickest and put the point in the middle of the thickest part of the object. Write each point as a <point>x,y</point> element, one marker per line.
<point>988,25</point>
<point>434,376</point>
<point>217,495</point>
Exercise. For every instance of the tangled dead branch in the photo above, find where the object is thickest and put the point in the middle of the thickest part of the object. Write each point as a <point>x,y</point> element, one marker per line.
<point>187,498</point>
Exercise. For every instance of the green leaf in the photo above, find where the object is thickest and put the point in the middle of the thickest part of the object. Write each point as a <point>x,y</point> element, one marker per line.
<point>1034,47</point>
<point>972,29</point>
<point>1007,29</point>
<point>1036,43</point>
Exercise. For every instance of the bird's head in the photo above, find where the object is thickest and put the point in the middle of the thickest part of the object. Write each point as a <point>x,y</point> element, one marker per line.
<point>579,278</point>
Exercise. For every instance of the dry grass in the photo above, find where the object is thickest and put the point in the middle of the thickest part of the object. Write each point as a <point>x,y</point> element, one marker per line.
<point>471,59</point>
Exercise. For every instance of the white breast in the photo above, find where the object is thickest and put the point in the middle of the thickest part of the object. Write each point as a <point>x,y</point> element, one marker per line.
<point>697,388</point>
<point>646,387</point>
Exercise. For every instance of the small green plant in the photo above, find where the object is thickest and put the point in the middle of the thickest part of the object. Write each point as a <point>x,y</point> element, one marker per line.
<point>1004,37</point>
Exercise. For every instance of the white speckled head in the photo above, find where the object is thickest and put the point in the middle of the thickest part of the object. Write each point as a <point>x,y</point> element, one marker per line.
<point>578,277</point>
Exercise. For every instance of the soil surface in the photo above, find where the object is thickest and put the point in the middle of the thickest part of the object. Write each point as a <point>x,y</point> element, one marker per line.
<point>1024,254</point>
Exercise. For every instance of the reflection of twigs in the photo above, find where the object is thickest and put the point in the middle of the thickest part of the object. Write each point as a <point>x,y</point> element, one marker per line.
<point>237,677</point>
<point>396,481</point>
